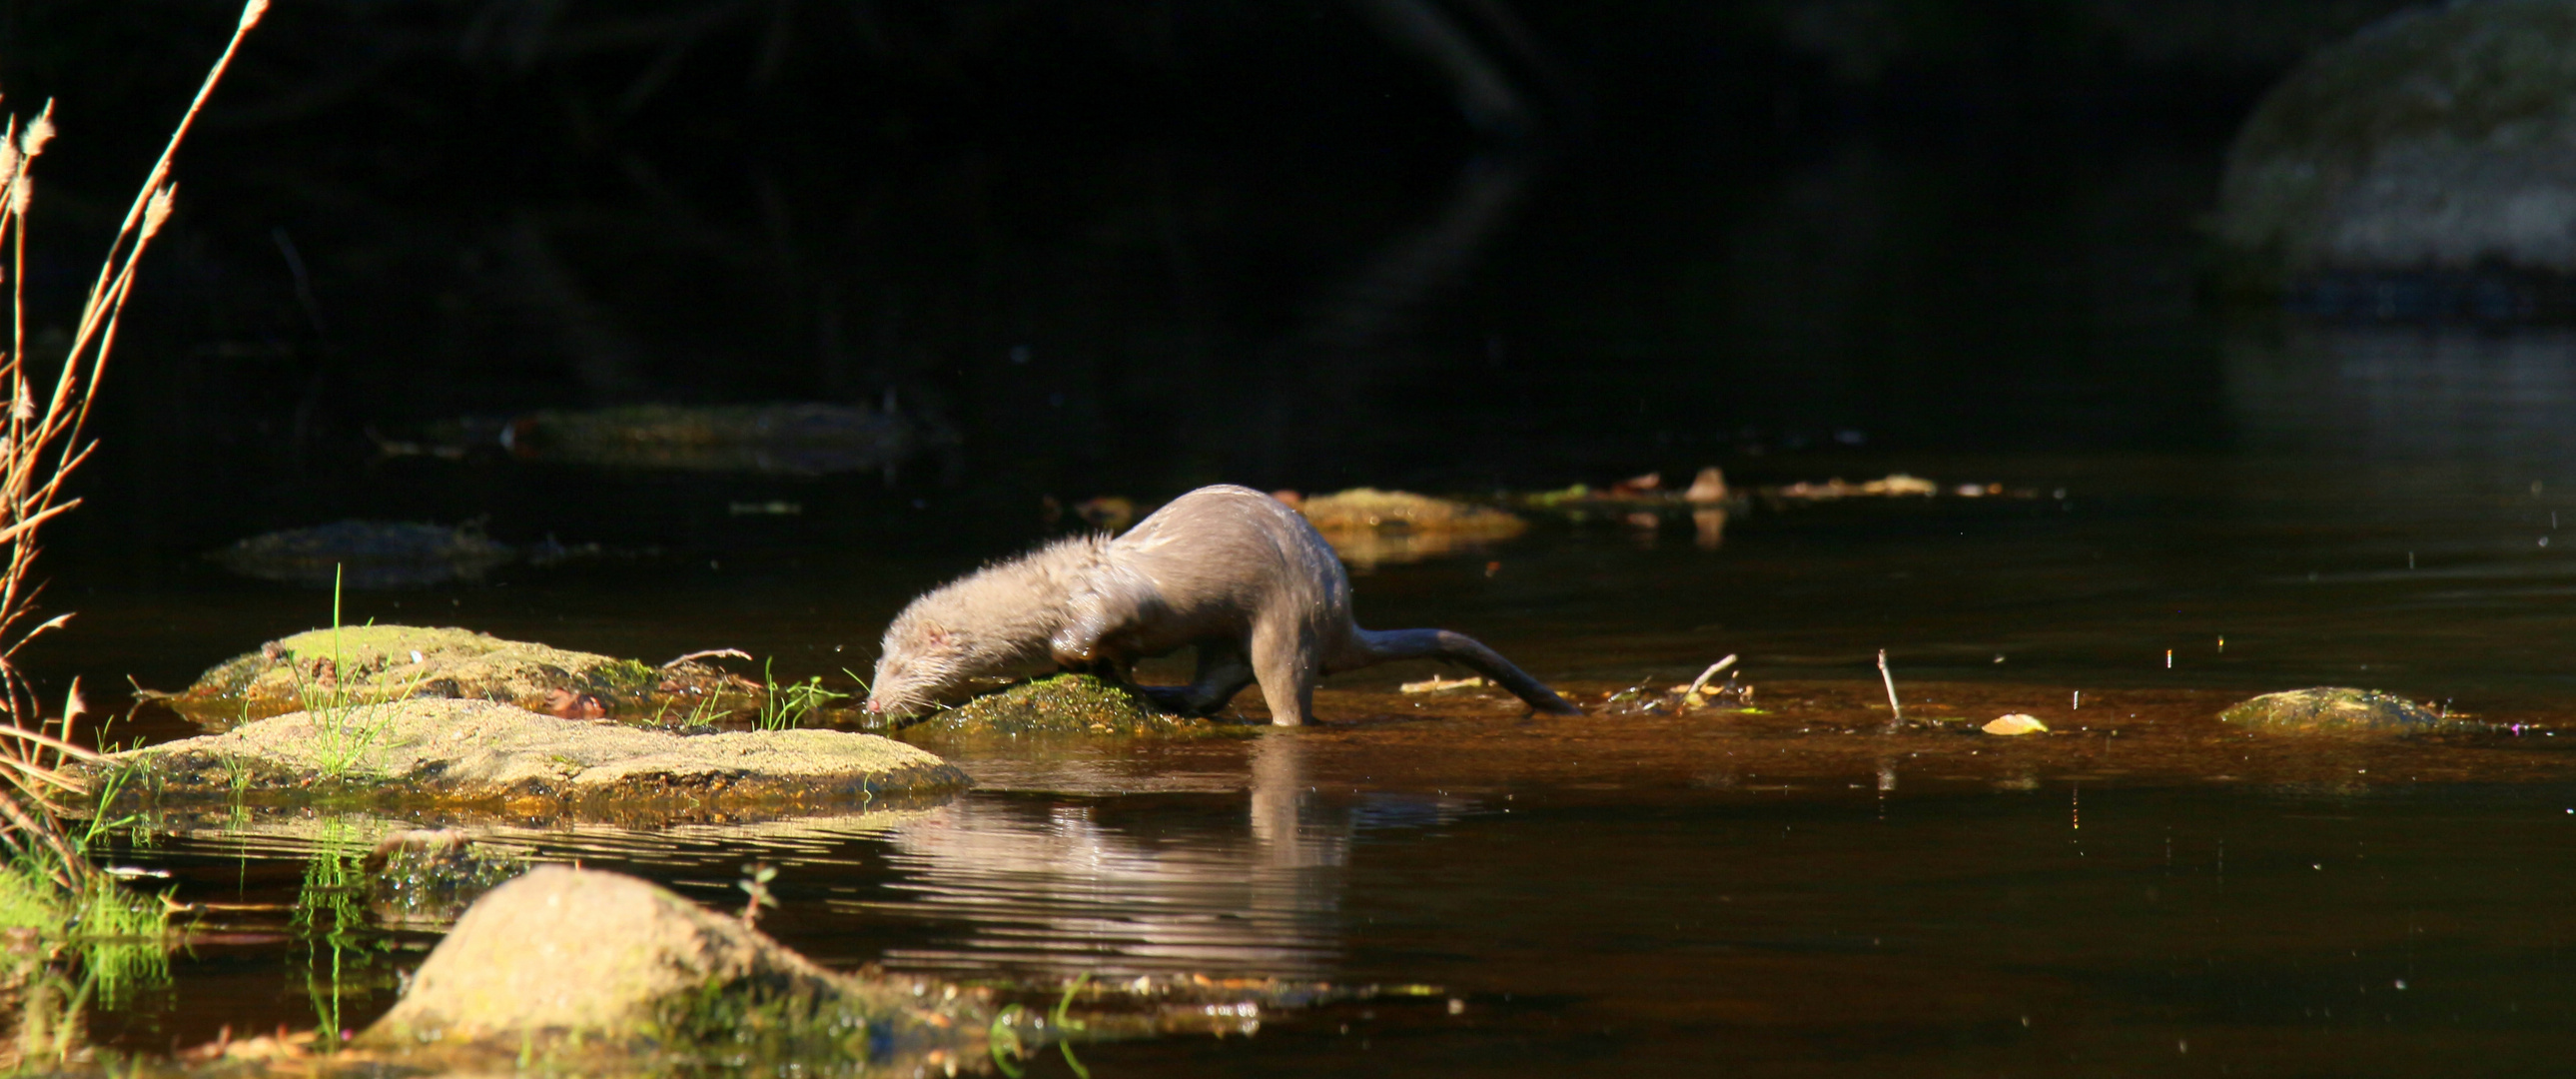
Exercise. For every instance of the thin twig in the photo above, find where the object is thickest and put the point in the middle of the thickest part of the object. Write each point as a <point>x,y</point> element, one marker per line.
<point>1893,708</point>
<point>1713,670</point>
<point>711,653</point>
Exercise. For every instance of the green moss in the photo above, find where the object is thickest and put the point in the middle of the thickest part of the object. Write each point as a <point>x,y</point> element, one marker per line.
<point>745,1023</point>
<point>1069,704</point>
<point>2332,709</point>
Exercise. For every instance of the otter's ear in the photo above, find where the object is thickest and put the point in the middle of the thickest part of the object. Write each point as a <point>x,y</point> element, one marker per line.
<point>939,637</point>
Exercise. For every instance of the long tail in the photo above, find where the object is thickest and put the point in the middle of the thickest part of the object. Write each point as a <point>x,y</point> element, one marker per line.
<point>1380,646</point>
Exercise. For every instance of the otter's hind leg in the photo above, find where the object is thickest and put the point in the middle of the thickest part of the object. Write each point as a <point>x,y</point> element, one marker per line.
<point>1284,659</point>
<point>1223,672</point>
<point>1375,646</point>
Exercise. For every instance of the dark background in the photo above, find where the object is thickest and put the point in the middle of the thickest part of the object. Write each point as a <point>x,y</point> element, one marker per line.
<point>1280,243</point>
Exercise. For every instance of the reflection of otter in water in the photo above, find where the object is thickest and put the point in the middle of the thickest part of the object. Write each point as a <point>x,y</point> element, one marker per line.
<point>1024,884</point>
<point>1048,886</point>
<point>1226,569</point>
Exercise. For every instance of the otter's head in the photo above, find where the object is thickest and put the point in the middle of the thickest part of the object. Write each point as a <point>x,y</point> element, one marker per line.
<point>920,665</point>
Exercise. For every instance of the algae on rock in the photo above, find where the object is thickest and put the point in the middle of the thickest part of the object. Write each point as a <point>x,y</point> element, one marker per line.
<point>391,662</point>
<point>2336,709</point>
<point>427,878</point>
<point>1068,704</point>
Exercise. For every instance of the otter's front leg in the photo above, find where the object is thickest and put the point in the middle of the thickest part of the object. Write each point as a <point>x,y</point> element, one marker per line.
<point>1285,662</point>
<point>1223,672</point>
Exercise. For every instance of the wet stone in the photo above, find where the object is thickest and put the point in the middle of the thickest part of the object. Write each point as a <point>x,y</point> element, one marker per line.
<point>1069,704</point>
<point>428,877</point>
<point>2329,709</point>
<point>791,439</point>
<point>368,555</point>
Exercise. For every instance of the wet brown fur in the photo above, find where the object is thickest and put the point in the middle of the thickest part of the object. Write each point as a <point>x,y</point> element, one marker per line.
<point>1227,569</point>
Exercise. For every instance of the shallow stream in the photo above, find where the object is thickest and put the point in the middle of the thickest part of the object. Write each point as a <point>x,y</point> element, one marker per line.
<point>1799,890</point>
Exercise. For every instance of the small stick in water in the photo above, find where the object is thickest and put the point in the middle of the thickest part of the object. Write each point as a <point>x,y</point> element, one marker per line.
<point>2168,659</point>
<point>1701,682</point>
<point>2079,702</point>
<point>1894,709</point>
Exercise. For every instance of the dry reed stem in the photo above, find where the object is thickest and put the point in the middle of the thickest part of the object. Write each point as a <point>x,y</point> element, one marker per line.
<point>42,444</point>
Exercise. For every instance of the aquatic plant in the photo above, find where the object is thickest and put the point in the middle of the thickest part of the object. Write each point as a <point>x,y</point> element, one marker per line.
<point>348,716</point>
<point>704,710</point>
<point>755,883</point>
<point>784,706</point>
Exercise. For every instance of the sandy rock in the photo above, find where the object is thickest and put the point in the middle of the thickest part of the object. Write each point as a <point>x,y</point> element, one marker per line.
<point>372,663</point>
<point>2443,137</point>
<point>580,954</point>
<point>2328,709</point>
<point>431,752</point>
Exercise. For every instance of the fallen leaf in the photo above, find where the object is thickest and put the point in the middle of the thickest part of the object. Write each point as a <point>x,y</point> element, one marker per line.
<point>2015,724</point>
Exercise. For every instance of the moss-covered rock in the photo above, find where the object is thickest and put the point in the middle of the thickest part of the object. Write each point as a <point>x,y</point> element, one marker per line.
<point>1067,705</point>
<point>2335,709</point>
<point>2443,137</point>
<point>450,753</point>
<point>321,667</point>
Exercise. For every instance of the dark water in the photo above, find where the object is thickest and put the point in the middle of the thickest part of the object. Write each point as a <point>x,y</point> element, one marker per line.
<point>2197,508</point>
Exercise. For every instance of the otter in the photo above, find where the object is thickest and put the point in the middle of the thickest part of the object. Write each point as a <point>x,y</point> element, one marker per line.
<point>1228,569</point>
